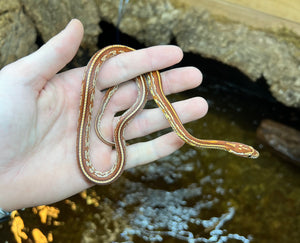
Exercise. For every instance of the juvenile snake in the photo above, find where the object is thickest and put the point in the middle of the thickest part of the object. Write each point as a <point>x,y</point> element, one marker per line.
<point>150,81</point>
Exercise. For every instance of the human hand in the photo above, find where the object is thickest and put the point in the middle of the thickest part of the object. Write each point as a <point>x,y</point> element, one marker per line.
<point>39,112</point>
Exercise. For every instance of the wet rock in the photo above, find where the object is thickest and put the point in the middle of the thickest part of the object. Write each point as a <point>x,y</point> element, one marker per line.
<point>283,140</point>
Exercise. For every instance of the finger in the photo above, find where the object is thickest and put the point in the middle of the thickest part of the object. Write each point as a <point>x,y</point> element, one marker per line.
<point>152,120</point>
<point>181,78</point>
<point>43,64</point>
<point>174,81</point>
<point>129,65</point>
<point>145,152</point>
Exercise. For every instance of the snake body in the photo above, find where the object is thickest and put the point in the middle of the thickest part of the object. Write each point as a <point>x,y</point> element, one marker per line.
<point>149,81</point>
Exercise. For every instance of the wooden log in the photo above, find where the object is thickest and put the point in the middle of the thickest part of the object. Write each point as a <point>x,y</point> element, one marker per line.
<point>281,139</point>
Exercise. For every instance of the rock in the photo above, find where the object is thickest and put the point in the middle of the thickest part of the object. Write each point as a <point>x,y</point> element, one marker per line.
<point>17,32</point>
<point>50,17</point>
<point>257,50</point>
<point>254,52</point>
<point>150,21</point>
<point>283,140</point>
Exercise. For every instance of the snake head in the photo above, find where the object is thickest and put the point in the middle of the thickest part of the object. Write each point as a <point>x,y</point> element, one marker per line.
<point>242,150</point>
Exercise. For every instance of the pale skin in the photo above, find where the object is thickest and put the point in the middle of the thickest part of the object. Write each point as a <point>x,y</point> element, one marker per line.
<point>39,113</point>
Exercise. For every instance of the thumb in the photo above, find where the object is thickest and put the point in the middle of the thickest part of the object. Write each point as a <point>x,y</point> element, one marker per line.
<point>44,63</point>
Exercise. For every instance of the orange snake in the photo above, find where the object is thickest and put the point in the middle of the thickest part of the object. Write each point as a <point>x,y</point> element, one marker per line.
<point>153,81</point>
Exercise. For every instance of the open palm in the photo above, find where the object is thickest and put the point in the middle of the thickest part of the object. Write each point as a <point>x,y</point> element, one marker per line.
<point>39,113</point>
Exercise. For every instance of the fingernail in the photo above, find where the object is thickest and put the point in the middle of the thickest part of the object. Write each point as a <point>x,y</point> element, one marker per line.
<point>69,23</point>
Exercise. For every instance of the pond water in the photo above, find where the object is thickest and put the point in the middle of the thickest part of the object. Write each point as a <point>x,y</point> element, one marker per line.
<point>191,195</point>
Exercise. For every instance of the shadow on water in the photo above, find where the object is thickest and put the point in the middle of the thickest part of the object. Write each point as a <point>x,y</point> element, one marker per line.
<point>195,195</point>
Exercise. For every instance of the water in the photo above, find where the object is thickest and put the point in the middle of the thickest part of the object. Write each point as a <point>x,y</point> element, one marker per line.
<point>191,195</point>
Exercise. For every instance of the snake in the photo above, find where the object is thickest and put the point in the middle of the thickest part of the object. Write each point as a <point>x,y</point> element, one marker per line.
<point>145,82</point>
